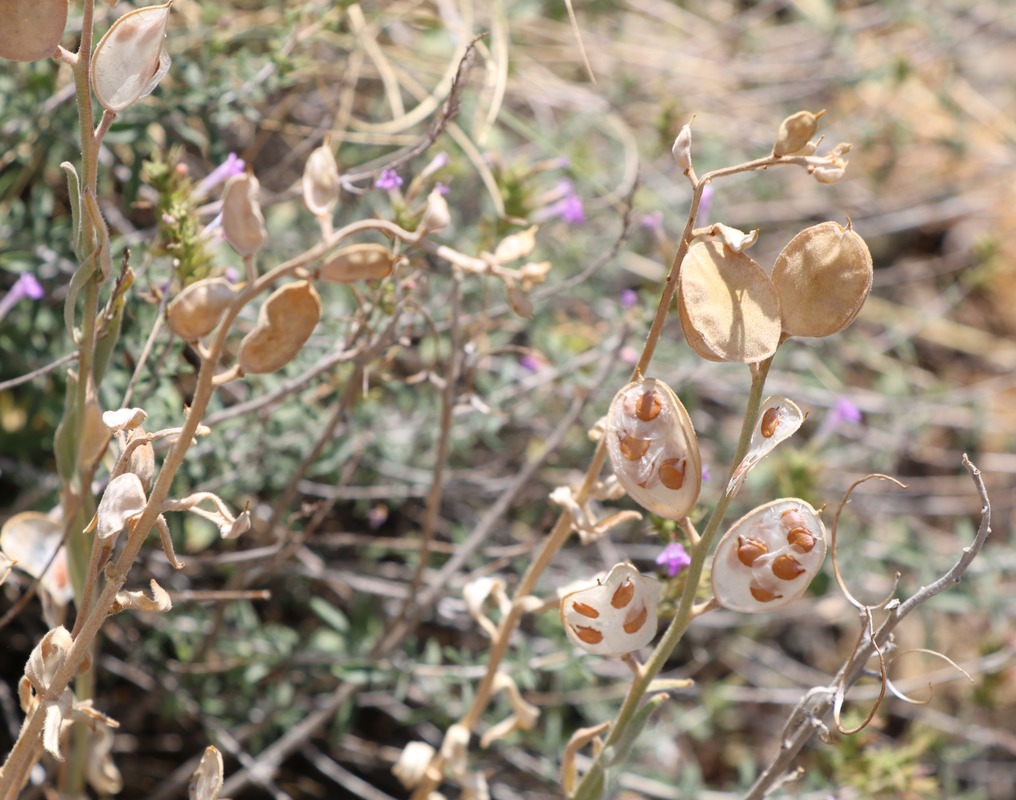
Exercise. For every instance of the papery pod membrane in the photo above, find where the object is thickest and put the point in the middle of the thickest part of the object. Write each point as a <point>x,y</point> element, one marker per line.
<point>123,500</point>
<point>30,30</point>
<point>30,539</point>
<point>321,181</point>
<point>129,60</point>
<point>358,262</point>
<point>285,322</point>
<point>795,133</point>
<point>653,448</point>
<point>242,222</point>
<point>728,306</point>
<point>206,782</point>
<point>823,277</point>
<point>778,419</point>
<point>769,556</point>
<point>198,308</point>
<point>613,617</point>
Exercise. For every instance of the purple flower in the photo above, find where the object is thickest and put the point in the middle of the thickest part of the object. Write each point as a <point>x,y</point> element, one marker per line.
<point>441,188</point>
<point>704,204</point>
<point>26,286</point>
<point>653,221</point>
<point>844,411</point>
<point>673,558</point>
<point>531,362</point>
<point>233,165</point>
<point>705,472</point>
<point>388,179</point>
<point>629,298</point>
<point>568,207</point>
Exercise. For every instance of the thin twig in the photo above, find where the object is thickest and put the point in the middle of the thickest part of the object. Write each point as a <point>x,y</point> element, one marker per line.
<point>35,373</point>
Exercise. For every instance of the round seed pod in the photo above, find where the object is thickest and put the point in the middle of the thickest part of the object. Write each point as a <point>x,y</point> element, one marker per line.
<point>242,221</point>
<point>653,448</point>
<point>31,29</point>
<point>198,308</point>
<point>795,132</point>
<point>321,181</point>
<point>358,262</point>
<point>285,322</point>
<point>729,308</point>
<point>823,277</point>
<point>616,615</point>
<point>769,556</point>
<point>129,60</point>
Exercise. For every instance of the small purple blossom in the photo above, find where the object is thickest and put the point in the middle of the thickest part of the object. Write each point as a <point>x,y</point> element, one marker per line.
<point>845,411</point>
<point>233,165</point>
<point>705,473</point>
<point>704,204</point>
<point>653,221</point>
<point>26,286</point>
<point>673,558</point>
<point>568,207</point>
<point>388,179</point>
<point>441,188</point>
<point>531,362</point>
<point>629,355</point>
<point>629,298</point>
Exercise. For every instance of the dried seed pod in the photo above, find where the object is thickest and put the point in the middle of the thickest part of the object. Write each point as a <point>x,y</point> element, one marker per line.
<point>779,419</point>
<point>31,29</point>
<point>123,500</point>
<point>242,222</point>
<point>516,246</point>
<point>285,322</point>
<point>615,616</point>
<point>823,277</point>
<point>760,563</point>
<point>321,181</point>
<point>795,132</point>
<point>198,308</point>
<point>728,306</point>
<point>129,60</point>
<point>358,262</point>
<point>653,448</point>
<point>30,540</point>
<point>681,150</point>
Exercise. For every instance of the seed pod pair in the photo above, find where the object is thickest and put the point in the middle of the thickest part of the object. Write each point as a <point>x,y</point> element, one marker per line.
<point>731,310</point>
<point>769,556</point>
<point>653,448</point>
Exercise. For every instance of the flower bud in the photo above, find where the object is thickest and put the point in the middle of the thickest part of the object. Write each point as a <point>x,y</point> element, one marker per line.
<point>242,221</point>
<point>129,60</point>
<point>285,322</point>
<point>795,132</point>
<point>31,29</point>
<point>436,216</point>
<point>728,307</point>
<point>823,277</point>
<point>653,448</point>
<point>681,149</point>
<point>769,556</point>
<point>358,262</point>
<point>321,181</point>
<point>198,308</point>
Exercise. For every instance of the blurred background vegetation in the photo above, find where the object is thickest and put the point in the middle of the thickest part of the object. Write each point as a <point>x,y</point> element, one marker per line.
<point>926,92</point>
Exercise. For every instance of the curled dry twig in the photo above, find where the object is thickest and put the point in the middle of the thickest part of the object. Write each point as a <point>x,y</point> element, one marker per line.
<point>807,717</point>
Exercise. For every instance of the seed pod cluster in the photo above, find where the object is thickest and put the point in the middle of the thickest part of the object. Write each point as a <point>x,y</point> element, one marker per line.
<point>653,448</point>
<point>769,556</point>
<point>285,322</point>
<point>198,308</point>
<point>615,616</point>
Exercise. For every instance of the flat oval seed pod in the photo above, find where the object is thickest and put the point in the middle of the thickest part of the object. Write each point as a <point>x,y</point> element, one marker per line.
<point>30,30</point>
<point>242,221</point>
<point>653,448</point>
<point>129,60</point>
<point>769,556</point>
<point>321,181</point>
<point>198,308</point>
<point>823,277</point>
<point>779,419</point>
<point>728,307</point>
<point>358,262</point>
<point>613,617</point>
<point>285,322</point>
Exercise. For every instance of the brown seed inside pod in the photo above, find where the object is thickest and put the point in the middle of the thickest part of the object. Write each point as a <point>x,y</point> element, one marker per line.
<point>623,595</point>
<point>750,549</point>
<point>672,472</point>
<point>762,594</point>
<point>648,406</point>
<point>786,568</point>
<point>632,448</point>
<point>801,540</point>
<point>588,635</point>
<point>634,622</point>
<point>769,421</point>
<point>585,610</point>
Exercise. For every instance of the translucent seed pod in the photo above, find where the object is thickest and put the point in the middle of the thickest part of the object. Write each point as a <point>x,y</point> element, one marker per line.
<point>795,133</point>
<point>129,60</point>
<point>823,276</point>
<point>358,262</point>
<point>198,308</point>
<point>30,30</point>
<point>653,448</point>
<point>321,181</point>
<point>728,307</point>
<point>242,222</point>
<point>285,323</point>
<point>615,616</point>
<point>769,557</point>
